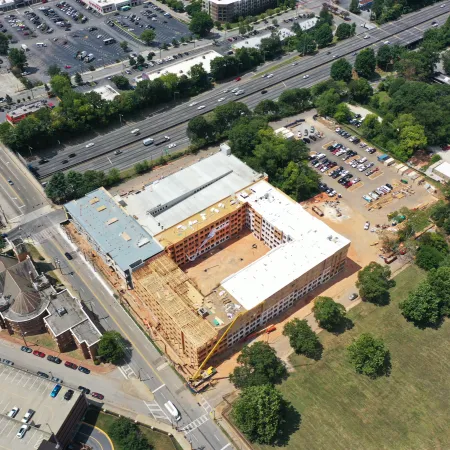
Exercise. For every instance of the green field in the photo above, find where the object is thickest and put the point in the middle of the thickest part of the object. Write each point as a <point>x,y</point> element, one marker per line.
<point>408,410</point>
<point>160,441</point>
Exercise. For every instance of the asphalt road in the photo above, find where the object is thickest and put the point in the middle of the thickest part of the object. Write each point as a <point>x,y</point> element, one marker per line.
<point>143,360</point>
<point>21,197</point>
<point>405,31</point>
<point>94,437</point>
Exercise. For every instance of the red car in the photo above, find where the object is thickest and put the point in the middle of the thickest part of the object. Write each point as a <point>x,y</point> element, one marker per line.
<point>38,353</point>
<point>67,67</point>
<point>71,365</point>
<point>238,79</point>
<point>97,395</point>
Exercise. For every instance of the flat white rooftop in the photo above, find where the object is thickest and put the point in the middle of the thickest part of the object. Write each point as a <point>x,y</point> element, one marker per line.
<point>171,200</point>
<point>443,169</point>
<point>106,92</point>
<point>181,66</point>
<point>311,242</point>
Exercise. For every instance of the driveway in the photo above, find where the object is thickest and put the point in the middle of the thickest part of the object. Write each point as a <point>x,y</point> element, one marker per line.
<point>94,437</point>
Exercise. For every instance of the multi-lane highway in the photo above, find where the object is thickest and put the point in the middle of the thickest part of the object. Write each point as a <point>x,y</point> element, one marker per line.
<point>405,31</point>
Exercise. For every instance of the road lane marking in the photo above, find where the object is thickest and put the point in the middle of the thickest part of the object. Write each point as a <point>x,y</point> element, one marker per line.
<point>162,366</point>
<point>226,446</point>
<point>158,388</point>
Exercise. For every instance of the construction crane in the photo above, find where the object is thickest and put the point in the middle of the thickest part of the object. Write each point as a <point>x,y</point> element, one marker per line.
<point>197,375</point>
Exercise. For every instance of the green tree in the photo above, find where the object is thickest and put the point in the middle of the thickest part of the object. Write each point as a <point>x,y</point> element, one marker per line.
<point>327,103</point>
<point>328,313</point>
<point>259,412</point>
<point>374,283</point>
<point>56,188</point>
<point>371,126</point>
<point>343,31</point>
<point>4,44</point>
<point>53,70</point>
<point>17,58</point>
<point>148,36</point>
<point>294,101</point>
<point>242,28</point>
<point>267,108</point>
<point>127,434</point>
<point>78,79</point>
<point>299,181</point>
<point>343,113</point>
<point>360,90</point>
<point>199,78</point>
<point>200,129</point>
<point>141,167</point>
<point>121,82</point>
<point>422,306</point>
<point>324,35</point>
<point>417,66</point>
<point>112,347</point>
<point>271,46</point>
<point>303,339</point>
<point>428,257</point>
<point>369,356</point>
<point>113,177</point>
<point>445,61</point>
<point>354,7</point>
<point>365,63</point>
<point>439,280</point>
<point>140,60</point>
<point>306,44</point>
<point>341,70</point>
<point>258,365</point>
<point>124,45</point>
<point>201,24</point>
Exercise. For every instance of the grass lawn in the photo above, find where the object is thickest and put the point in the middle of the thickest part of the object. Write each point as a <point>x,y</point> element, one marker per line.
<point>408,410</point>
<point>104,421</point>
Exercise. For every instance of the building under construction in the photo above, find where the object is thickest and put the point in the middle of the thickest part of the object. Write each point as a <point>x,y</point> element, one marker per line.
<point>237,252</point>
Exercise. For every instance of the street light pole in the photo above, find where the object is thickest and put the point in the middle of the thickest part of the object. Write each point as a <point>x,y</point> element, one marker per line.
<point>30,148</point>
<point>58,445</point>
<point>175,92</point>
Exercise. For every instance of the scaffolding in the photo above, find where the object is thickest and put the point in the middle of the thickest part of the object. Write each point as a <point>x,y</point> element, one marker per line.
<point>164,284</point>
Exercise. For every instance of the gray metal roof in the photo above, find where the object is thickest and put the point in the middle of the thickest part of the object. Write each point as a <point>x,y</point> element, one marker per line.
<point>115,233</point>
<point>171,200</point>
<point>66,313</point>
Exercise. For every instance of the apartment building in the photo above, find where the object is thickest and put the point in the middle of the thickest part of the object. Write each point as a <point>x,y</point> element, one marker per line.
<point>227,10</point>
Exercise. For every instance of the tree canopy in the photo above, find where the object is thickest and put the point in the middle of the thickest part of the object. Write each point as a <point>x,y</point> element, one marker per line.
<point>423,306</point>
<point>369,356</point>
<point>328,313</point>
<point>127,434</point>
<point>341,70</point>
<point>148,36</point>
<point>365,63</point>
<point>258,365</point>
<point>303,339</point>
<point>201,23</point>
<point>259,412</point>
<point>112,347</point>
<point>4,44</point>
<point>374,283</point>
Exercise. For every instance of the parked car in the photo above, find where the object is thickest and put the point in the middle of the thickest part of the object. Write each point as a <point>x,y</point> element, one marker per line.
<point>71,365</point>
<point>54,359</point>
<point>55,391</point>
<point>38,353</point>
<point>22,430</point>
<point>68,395</point>
<point>42,374</point>
<point>84,370</point>
<point>84,390</point>
<point>26,349</point>
<point>97,395</point>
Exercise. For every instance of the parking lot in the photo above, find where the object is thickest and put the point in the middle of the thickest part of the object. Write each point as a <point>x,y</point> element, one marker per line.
<point>27,391</point>
<point>364,188</point>
<point>148,16</point>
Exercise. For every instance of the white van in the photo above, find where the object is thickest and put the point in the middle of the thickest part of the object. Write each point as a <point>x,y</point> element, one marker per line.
<point>135,131</point>
<point>172,410</point>
<point>147,141</point>
<point>40,44</point>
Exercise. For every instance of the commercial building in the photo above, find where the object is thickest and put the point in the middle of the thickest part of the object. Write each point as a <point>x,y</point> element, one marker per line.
<point>18,114</point>
<point>53,421</point>
<point>107,6</point>
<point>114,235</point>
<point>227,10</point>
<point>443,171</point>
<point>30,305</point>
<point>237,252</point>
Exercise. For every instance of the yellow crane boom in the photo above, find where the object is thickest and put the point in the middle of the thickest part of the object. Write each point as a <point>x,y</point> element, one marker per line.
<point>208,356</point>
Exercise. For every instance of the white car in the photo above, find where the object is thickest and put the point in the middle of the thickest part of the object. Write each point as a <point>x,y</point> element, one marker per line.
<point>270,75</point>
<point>305,76</point>
<point>167,138</point>
<point>225,91</point>
<point>193,103</point>
<point>174,144</point>
<point>366,36</point>
<point>201,107</point>
<point>23,429</point>
<point>13,412</point>
<point>367,225</point>
<point>91,144</point>
<point>221,99</point>
<point>240,92</point>
<point>294,64</point>
<point>234,90</point>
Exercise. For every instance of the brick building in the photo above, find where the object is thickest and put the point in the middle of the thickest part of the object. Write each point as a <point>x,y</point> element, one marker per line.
<point>29,305</point>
